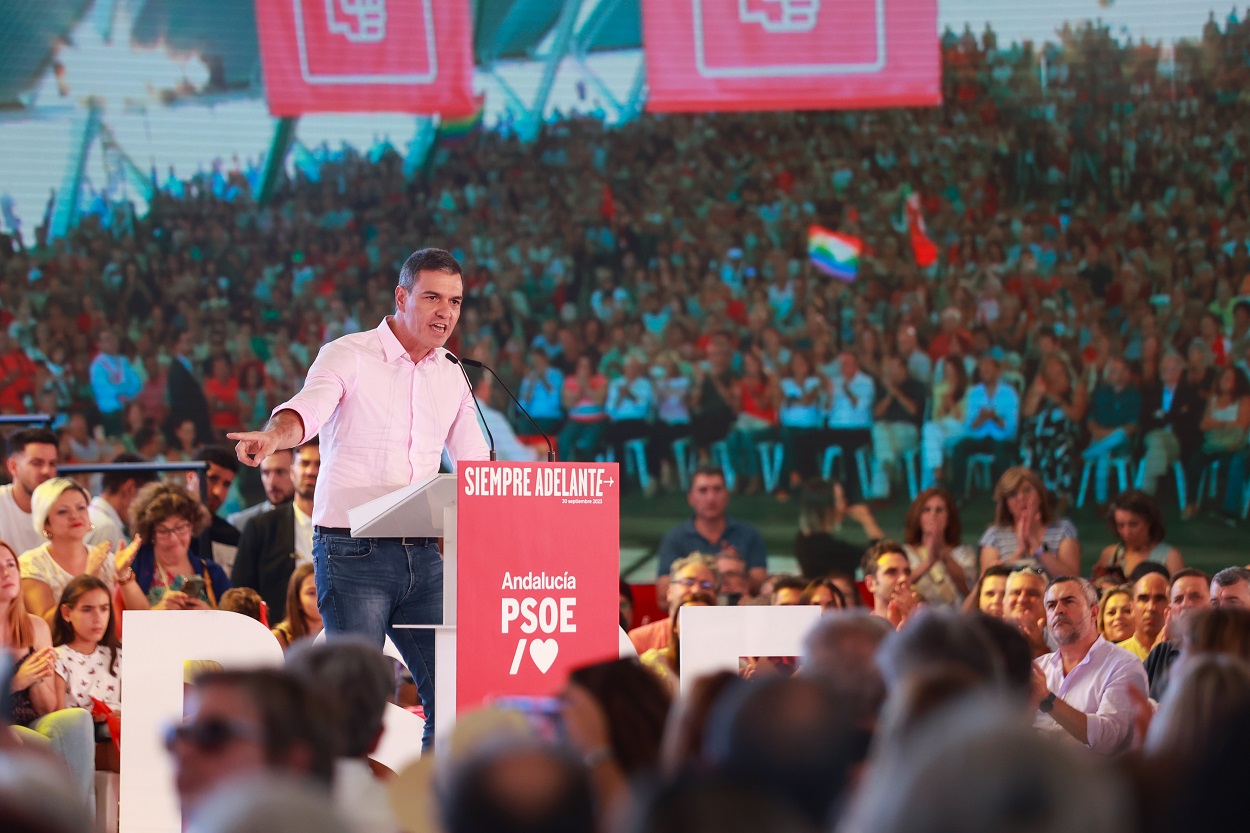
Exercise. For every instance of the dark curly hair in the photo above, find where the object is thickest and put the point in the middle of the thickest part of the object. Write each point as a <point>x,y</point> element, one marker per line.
<point>158,502</point>
<point>1143,506</point>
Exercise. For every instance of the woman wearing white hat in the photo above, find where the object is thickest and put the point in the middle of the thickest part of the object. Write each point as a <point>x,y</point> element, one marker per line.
<point>59,513</point>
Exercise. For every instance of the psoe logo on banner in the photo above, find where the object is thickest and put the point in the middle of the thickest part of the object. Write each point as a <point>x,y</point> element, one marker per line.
<point>541,619</point>
<point>780,38</point>
<point>366,41</point>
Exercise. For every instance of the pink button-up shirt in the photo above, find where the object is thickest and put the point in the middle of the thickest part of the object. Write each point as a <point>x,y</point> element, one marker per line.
<point>383,420</point>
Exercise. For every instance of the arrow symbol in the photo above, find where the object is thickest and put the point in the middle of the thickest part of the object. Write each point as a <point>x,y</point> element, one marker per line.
<point>611,482</point>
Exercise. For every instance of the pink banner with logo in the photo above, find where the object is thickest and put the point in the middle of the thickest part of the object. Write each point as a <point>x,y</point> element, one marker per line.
<point>357,56</point>
<point>790,54</point>
<point>539,563</point>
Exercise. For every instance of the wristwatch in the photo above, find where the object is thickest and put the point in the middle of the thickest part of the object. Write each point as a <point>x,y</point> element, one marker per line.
<point>1048,703</point>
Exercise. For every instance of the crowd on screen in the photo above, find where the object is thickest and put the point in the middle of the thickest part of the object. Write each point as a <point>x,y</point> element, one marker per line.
<point>644,291</point>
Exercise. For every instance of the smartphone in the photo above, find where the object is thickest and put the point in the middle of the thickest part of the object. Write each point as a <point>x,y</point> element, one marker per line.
<point>543,714</point>
<point>193,587</point>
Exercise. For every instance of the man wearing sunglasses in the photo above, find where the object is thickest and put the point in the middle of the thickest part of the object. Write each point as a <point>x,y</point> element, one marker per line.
<point>243,722</point>
<point>689,575</point>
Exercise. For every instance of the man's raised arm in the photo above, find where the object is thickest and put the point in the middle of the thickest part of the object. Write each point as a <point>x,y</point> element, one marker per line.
<point>285,429</point>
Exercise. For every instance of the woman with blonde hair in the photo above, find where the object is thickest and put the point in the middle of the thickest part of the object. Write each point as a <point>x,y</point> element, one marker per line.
<point>1025,532</point>
<point>59,513</point>
<point>665,662</point>
<point>1117,619</point>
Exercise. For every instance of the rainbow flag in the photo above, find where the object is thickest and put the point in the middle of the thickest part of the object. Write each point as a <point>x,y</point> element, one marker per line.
<point>837,255</point>
<point>453,129</point>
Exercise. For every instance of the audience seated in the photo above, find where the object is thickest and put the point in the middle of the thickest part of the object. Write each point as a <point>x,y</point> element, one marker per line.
<point>1088,305</point>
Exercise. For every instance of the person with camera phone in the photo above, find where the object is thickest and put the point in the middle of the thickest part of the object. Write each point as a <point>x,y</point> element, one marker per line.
<point>168,518</point>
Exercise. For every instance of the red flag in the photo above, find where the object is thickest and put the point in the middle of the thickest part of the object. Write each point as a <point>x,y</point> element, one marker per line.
<point>924,249</point>
<point>607,204</point>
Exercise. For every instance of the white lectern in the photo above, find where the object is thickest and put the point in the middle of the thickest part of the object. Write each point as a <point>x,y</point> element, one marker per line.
<point>424,510</point>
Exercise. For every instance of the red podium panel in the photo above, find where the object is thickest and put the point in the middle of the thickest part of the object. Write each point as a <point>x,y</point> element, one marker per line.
<point>539,558</point>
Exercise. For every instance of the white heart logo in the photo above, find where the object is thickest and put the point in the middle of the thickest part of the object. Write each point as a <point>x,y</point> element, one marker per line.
<point>543,652</point>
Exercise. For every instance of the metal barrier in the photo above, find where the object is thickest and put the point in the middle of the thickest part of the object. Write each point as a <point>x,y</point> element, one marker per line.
<point>206,544</point>
<point>27,419</point>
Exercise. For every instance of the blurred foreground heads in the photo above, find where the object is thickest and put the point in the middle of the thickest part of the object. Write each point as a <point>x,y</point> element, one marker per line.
<point>518,787</point>
<point>978,767</point>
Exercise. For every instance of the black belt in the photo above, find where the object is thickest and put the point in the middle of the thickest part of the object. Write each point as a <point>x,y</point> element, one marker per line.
<point>344,532</point>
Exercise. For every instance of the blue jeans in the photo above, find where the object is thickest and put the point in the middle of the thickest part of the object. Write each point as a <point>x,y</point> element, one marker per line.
<point>1101,452</point>
<point>366,586</point>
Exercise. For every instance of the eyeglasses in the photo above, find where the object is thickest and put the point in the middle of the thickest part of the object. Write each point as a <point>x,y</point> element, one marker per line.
<point>694,582</point>
<point>211,735</point>
<point>169,532</point>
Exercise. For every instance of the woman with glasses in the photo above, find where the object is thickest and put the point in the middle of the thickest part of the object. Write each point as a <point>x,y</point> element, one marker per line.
<point>166,517</point>
<point>1026,532</point>
<point>59,513</point>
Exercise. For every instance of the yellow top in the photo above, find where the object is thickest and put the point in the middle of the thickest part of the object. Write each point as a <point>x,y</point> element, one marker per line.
<point>1135,648</point>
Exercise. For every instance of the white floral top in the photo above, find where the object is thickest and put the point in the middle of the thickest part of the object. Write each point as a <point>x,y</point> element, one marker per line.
<point>39,565</point>
<point>87,676</point>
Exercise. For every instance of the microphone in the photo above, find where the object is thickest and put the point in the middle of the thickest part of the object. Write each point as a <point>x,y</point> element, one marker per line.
<point>551,451</point>
<point>476,404</point>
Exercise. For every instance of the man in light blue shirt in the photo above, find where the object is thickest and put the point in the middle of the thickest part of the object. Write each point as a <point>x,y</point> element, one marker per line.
<point>114,383</point>
<point>851,396</point>
<point>630,406</point>
<point>540,392</point>
<point>991,422</point>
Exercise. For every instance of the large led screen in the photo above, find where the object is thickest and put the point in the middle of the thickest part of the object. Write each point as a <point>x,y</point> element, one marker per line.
<point>356,56</point>
<point>790,54</point>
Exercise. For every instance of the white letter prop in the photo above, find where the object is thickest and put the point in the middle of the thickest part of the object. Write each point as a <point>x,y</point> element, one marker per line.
<point>713,638</point>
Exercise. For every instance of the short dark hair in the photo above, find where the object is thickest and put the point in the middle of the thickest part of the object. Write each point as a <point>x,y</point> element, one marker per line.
<point>883,547</point>
<point>218,455</point>
<point>1143,506</point>
<point>707,471</point>
<point>1146,568</point>
<point>1013,650</point>
<point>355,673</point>
<point>1230,576</point>
<point>1087,587</point>
<point>1190,572</point>
<point>113,481</point>
<point>22,437</point>
<point>478,797</point>
<point>789,583</point>
<point>292,712</point>
<point>791,738</point>
<point>146,433</point>
<point>427,260</point>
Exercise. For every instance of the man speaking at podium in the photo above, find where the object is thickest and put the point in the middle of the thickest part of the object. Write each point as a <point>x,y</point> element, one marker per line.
<point>386,402</point>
